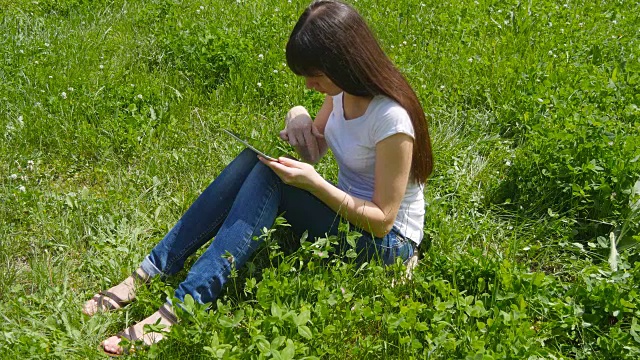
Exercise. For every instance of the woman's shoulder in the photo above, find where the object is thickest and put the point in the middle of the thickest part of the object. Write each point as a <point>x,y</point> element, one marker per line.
<point>384,106</point>
<point>389,118</point>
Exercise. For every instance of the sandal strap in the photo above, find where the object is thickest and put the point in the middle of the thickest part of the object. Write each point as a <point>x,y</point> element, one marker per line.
<point>119,301</point>
<point>168,314</point>
<point>139,277</point>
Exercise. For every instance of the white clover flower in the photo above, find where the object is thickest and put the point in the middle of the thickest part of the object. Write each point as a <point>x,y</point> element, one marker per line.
<point>260,56</point>
<point>63,95</point>
<point>50,76</point>
<point>508,163</point>
<point>201,7</point>
<point>132,85</point>
<point>13,176</point>
<point>441,87</point>
<point>101,66</point>
<point>30,165</point>
<point>21,51</point>
<point>46,44</point>
<point>36,62</point>
<point>275,71</point>
<point>404,43</point>
<point>259,84</point>
<point>70,89</point>
<point>198,11</point>
<point>21,188</point>
<point>139,96</point>
<point>470,59</point>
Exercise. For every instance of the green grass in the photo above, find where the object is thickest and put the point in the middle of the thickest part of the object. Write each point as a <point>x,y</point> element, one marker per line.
<point>109,113</point>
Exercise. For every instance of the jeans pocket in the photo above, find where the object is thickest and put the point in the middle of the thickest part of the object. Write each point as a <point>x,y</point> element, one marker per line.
<point>392,246</point>
<point>403,248</point>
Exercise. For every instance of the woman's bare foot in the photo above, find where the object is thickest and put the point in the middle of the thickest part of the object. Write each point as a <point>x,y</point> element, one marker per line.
<point>136,332</point>
<point>117,296</point>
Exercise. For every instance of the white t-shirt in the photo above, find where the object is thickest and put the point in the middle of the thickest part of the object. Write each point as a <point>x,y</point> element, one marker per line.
<point>353,143</point>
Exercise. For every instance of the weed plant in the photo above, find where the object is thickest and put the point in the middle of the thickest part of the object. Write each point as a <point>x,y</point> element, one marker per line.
<point>109,119</point>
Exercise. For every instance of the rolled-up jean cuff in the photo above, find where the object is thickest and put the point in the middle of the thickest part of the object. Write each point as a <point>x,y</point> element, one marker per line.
<point>149,268</point>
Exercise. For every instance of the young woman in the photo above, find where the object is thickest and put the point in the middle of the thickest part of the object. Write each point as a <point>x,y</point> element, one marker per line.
<point>372,121</point>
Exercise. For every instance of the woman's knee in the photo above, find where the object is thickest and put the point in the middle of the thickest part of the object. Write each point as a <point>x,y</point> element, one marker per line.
<point>263,171</point>
<point>247,156</point>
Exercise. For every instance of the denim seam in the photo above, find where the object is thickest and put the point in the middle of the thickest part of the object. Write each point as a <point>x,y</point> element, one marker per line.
<point>195,240</point>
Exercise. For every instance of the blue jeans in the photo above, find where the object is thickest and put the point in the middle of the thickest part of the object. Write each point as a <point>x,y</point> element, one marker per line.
<point>245,198</point>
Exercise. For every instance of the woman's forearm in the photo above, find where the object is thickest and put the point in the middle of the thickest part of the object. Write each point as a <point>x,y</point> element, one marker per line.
<point>303,152</point>
<point>362,213</point>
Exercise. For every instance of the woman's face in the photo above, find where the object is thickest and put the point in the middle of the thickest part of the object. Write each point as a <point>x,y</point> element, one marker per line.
<point>323,84</point>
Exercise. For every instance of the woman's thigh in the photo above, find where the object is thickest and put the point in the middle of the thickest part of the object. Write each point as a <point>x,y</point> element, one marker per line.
<point>305,212</point>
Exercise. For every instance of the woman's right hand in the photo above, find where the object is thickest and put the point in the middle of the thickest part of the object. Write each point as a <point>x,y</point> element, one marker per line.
<point>302,134</point>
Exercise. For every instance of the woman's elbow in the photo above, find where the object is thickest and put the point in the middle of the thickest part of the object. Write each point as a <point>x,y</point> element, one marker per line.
<point>388,222</point>
<point>382,230</point>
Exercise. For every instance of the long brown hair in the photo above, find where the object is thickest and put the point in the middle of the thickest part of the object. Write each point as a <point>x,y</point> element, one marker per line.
<point>332,38</point>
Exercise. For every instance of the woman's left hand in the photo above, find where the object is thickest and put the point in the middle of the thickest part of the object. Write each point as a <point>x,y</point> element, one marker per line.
<point>294,173</point>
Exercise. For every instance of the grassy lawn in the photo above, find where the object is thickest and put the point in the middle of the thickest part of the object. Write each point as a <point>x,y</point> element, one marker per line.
<point>109,128</point>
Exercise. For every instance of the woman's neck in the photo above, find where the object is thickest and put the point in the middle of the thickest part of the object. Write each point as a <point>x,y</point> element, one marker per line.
<point>354,106</point>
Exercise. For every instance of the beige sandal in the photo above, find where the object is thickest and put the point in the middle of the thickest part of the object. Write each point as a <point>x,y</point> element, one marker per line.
<point>164,311</point>
<point>108,301</point>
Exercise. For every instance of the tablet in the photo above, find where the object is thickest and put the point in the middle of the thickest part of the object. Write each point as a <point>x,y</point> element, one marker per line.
<point>245,143</point>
